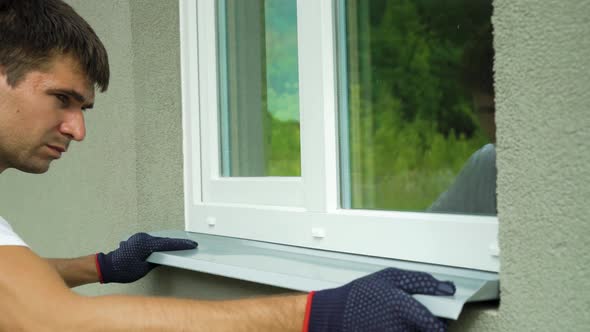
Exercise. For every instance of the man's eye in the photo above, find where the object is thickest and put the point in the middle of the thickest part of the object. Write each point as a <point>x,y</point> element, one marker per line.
<point>63,99</point>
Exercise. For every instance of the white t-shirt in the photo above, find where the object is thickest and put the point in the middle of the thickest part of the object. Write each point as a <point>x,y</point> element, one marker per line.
<point>7,236</point>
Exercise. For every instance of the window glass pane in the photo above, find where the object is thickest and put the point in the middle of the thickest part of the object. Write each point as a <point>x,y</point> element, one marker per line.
<point>259,91</point>
<point>417,128</point>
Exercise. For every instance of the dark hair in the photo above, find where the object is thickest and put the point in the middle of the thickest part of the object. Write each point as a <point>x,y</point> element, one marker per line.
<point>478,62</point>
<point>33,32</point>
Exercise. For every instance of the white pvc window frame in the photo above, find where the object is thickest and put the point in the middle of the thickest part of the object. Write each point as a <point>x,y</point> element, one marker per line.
<point>303,211</point>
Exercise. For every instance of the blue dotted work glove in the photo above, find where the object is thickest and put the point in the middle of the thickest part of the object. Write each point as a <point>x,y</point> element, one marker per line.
<point>128,262</point>
<point>381,301</point>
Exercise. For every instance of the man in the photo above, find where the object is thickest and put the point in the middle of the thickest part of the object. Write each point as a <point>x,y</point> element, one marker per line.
<point>50,63</point>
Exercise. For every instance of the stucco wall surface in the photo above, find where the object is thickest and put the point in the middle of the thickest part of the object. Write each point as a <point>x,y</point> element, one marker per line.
<point>543,119</point>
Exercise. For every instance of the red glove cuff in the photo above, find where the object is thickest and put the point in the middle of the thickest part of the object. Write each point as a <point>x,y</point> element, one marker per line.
<point>307,312</point>
<point>98,269</point>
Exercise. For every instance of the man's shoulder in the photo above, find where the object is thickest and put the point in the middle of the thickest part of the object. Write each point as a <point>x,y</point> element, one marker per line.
<point>7,235</point>
<point>486,153</point>
<point>4,223</point>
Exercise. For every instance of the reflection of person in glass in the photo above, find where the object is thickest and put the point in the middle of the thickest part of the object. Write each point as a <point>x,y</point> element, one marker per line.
<point>474,189</point>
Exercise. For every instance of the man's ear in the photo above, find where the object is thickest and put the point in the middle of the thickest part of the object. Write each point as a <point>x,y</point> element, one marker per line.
<point>3,77</point>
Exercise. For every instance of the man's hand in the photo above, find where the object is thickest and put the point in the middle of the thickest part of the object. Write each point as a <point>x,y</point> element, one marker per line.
<point>128,262</point>
<point>381,301</point>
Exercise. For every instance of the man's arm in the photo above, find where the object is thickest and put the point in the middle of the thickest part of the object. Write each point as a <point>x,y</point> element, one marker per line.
<point>33,297</point>
<point>76,271</point>
<point>125,264</point>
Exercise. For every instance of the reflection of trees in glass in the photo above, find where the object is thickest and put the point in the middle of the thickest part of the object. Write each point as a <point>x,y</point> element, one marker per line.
<point>283,145</point>
<point>412,125</point>
<point>415,125</point>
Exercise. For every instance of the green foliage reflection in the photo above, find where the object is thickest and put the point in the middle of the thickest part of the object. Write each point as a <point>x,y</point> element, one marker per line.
<point>411,120</point>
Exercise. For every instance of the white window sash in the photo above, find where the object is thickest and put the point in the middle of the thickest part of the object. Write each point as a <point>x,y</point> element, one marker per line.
<point>281,191</point>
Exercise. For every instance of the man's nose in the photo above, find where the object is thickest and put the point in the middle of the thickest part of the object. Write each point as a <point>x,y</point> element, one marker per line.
<point>73,125</point>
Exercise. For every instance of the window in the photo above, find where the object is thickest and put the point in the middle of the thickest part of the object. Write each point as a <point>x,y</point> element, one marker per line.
<point>338,125</point>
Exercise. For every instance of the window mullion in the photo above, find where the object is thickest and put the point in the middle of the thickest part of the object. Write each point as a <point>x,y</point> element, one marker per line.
<point>317,101</point>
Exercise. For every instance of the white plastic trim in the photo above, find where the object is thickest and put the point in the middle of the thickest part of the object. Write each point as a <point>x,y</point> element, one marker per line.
<point>190,100</point>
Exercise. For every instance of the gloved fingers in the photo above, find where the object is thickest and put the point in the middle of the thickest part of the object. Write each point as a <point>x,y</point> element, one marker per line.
<point>418,318</point>
<point>136,238</point>
<point>414,282</point>
<point>423,283</point>
<point>155,243</point>
<point>170,244</point>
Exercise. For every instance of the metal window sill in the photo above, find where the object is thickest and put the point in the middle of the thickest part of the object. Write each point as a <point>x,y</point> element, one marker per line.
<point>306,269</point>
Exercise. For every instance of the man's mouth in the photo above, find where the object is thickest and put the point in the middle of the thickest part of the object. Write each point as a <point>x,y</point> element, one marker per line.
<point>56,149</point>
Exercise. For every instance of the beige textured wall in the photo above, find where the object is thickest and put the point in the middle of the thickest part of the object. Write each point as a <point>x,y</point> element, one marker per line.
<point>127,175</point>
<point>543,119</point>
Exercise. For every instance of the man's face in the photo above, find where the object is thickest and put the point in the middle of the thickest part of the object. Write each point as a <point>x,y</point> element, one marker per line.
<point>42,114</point>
